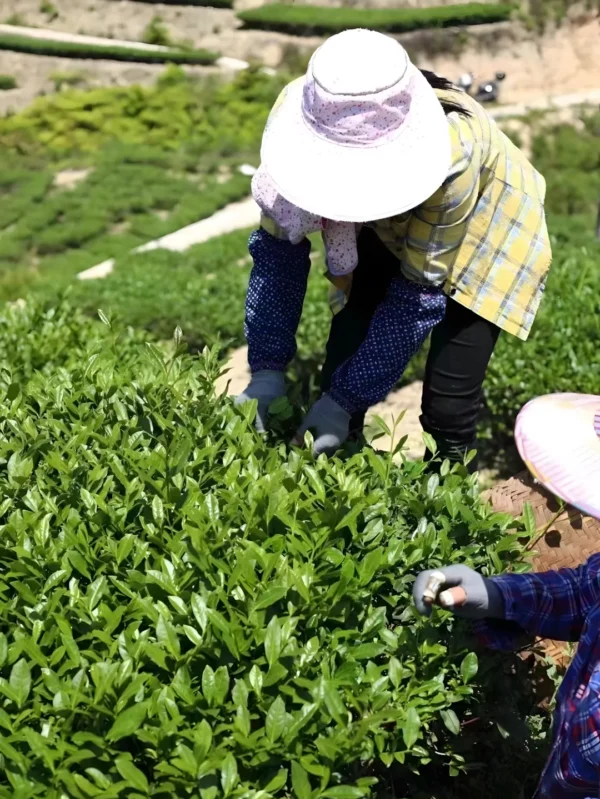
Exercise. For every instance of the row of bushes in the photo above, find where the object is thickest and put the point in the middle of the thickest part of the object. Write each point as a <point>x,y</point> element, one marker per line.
<point>205,118</point>
<point>189,610</point>
<point>308,20</point>
<point>26,44</point>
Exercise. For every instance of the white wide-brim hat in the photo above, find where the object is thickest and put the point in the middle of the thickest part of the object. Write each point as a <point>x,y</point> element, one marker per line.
<point>362,137</point>
<point>558,438</point>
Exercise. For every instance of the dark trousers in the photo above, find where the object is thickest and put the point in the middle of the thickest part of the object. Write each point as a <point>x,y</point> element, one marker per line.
<point>461,348</point>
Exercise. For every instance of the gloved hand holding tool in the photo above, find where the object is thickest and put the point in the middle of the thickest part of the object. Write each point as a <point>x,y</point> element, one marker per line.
<point>460,589</point>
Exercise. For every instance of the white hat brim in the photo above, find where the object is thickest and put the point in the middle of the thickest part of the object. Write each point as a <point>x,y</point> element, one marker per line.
<point>358,184</point>
<point>558,438</point>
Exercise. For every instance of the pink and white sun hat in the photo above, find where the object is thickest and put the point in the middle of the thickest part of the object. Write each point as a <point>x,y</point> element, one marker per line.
<point>558,438</point>
<point>363,137</point>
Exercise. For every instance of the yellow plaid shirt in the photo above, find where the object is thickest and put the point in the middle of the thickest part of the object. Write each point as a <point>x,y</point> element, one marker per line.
<point>482,235</point>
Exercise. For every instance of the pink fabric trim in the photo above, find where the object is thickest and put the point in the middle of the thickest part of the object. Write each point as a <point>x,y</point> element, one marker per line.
<point>339,237</point>
<point>357,120</point>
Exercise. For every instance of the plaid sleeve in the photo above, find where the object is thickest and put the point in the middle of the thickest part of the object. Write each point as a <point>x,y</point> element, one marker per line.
<point>437,228</point>
<point>552,604</point>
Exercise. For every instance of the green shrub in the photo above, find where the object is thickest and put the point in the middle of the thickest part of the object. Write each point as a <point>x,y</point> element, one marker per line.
<point>156,32</point>
<point>570,161</point>
<point>66,78</point>
<point>16,19</point>
<point>49,9</point>
<point>24,44</point>
<point>223,119</point>
<point>7,82</point>
<point>190,610</point>
<point>310,20</point>
<point>201,290</point>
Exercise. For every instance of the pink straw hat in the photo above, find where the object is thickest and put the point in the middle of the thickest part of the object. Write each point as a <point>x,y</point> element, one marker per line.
<point>558,438</point>
<point>362,137</point>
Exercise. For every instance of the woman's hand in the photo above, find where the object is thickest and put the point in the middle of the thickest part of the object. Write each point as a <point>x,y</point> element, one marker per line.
<point>328,422</point>
<point>265,386</point>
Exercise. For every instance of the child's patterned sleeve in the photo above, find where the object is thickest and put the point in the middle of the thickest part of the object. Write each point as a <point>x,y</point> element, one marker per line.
<point>274,300</point>
<point>399,327</point>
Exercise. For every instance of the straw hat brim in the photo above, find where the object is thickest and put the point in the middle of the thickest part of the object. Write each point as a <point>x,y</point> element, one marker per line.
<point>558,438</point>
<point>358,184</point>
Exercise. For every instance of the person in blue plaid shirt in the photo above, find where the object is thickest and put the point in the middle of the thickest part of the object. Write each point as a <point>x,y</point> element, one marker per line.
<point>562,605</point>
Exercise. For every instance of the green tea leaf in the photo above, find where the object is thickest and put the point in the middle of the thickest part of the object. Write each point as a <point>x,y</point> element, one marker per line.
<point>451,721</point>
<point>167,635</point>
<point>20,681</point>
<point>411,728</point>
<point>127,722</point>
<point>158,513</point>
<point>300,781</point>
<point>208,684</point>
<point>529,520</point>
<point>220,685</point>
<point>344,792</point>
<point>256,680</point>
<point>131,774</point>
<point>469,667</point>
<point>271,596</point>
<point>202,739</point>
<point>276,719</point>
<point>229,774</point>
<point>273,641</point>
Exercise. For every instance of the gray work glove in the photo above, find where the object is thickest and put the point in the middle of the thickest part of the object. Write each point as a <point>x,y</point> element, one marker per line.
<point>265,386</point>
<point>483,601</point>
<point>329,424</point>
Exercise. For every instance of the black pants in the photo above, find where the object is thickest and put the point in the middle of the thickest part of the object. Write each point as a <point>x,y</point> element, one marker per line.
<point>461,348</point>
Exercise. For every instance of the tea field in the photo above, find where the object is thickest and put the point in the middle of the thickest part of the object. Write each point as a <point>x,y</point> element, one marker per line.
<point>188,609</point>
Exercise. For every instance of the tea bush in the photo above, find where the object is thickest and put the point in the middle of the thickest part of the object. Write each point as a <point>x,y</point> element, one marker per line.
<point>311,20</point>
<point>223,118</point>
<point>569,158</point>
<point>132,195</point>
<point>114,52</point>
<point>190,610</point>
